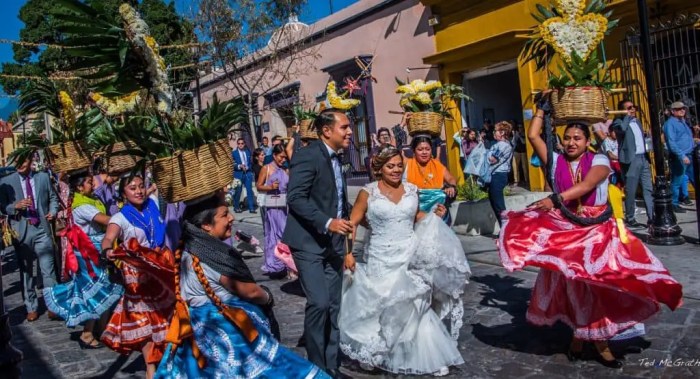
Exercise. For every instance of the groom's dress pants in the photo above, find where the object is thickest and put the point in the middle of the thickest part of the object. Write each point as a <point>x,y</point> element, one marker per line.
<point>321,277</point>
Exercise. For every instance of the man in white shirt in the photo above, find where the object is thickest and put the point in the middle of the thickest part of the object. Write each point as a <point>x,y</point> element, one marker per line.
<point>634,160</point>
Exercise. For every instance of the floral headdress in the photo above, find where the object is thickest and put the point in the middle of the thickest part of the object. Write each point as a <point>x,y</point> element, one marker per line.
<point>573,30</point>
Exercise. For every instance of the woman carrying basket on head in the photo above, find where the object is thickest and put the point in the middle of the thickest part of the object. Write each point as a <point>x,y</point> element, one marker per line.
<point>140,321</point>
<point>595,276</point>
<point>435,183</point>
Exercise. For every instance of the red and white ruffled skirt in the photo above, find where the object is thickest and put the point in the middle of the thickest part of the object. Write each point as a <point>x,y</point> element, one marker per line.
<point>600,280</point>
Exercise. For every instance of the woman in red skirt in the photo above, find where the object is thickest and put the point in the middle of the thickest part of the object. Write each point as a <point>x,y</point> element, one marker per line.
<point>141,319</point>
<point>595,276</point>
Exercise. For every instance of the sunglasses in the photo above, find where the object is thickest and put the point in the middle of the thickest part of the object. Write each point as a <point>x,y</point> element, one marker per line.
<point>631,107</point>
<point>678,109</point>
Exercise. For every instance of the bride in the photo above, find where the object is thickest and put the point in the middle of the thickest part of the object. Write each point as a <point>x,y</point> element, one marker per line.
<point>394,305</point>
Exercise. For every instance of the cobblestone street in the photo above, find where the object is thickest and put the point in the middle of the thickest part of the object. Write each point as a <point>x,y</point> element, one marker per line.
<point>495,340</point>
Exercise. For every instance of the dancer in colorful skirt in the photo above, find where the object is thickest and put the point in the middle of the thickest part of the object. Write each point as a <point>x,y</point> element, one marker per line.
<point>595,276</point>
<point>223,325</point>
<point>89,293</point>
<point>140,321</point>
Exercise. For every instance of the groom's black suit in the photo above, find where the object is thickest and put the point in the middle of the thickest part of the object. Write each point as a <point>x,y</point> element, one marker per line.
<point>312,197</point>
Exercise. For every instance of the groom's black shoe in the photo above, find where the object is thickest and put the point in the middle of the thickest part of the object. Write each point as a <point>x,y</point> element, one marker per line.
<point>336,374</point>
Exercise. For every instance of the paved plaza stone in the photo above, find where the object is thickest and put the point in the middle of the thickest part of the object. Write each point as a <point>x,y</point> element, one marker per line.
<point>495,341</point>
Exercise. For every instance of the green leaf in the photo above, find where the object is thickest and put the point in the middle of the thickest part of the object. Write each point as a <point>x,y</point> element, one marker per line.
<point>123,50</point>
<point>398,81</point>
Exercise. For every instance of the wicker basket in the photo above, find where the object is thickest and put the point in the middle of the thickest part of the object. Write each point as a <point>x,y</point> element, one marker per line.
<point>425,123</point>
<point>117,160</point>
<point>68,156</point>
<point>305,130</point>
<point>194,173</point>
<point>579,104</point>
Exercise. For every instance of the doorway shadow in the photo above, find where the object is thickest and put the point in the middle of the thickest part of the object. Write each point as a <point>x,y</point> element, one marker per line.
<point>505,294</point>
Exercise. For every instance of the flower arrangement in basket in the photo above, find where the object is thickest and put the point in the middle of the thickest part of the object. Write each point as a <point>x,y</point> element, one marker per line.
<point>429,104</point>
<point>70,128</point>
<point>304,118</point>
<point>573,30</point>
<point>129,86</point>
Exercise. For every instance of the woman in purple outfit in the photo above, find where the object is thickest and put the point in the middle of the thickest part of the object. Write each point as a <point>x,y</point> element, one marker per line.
<point>273,180</point>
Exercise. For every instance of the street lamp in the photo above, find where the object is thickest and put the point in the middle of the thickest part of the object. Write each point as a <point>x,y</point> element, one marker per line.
<point>195,57</point>
<point>257,120</point>
<point>664,229</point>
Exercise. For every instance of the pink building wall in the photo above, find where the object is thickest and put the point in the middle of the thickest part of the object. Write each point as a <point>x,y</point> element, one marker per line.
<point>398,37</point>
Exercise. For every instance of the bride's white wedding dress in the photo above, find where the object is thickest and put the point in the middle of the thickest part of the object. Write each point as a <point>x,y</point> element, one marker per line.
<point>395,305</point>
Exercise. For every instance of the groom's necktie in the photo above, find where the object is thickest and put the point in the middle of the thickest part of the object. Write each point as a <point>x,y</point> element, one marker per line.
<point>32,215</point>
<point>337,172</point>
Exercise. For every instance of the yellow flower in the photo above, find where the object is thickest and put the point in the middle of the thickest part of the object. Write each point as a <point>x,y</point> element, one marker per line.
<point>118,105</point>
<point>138,34</point>
<point>404,102</point>
<point>422,98</point>
<point>67,108</point>
<point>431,85</point>
<point>406,88</point>
<point>336,101</point>
<point>418,85</point>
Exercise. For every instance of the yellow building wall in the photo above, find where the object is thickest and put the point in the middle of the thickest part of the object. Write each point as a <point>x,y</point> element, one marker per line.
<point>475,34</point>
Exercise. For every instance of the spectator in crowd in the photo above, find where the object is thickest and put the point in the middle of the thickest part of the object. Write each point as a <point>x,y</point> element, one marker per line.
<point>276,140</point>
<point>500,156</point>
<point>634,159</point>
<point>438,145</point>
<point>383,137</point>
<point>27,197</point>
<point>609,147</point>
<point>487,134</point>
<point>242,170</point>
<point>600,132</point>
<point>520,162</point>
<point>258,162</point>
<point>679,139</point>
<point>265,146</point>
<point>458,138</point>
<point>273,181</point>
<point>104,190</point>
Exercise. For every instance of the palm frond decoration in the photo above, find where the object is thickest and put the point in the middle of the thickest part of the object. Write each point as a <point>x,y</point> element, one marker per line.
<point>40,97</point>
<point>118,60</point>
<point>29,145</point>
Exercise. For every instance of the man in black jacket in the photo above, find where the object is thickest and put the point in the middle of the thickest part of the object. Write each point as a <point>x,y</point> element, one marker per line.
<point>315,232</point>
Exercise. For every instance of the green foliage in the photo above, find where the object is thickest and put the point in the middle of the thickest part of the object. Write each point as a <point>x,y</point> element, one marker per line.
<point>444,95</point>
<point>28,145</point>
<point>167,27</point>
<point>470,191</point>
<point>40,97</point>
<point>580,73</point>
<point>158,136</point>
<point>303,114</point>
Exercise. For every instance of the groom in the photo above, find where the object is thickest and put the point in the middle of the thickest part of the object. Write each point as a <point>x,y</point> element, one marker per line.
<point>315,232</point>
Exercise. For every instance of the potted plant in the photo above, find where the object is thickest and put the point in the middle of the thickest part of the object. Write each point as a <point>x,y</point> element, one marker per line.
<point>429,104</point>
<point>573,30</point>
